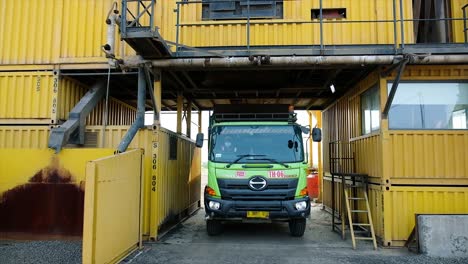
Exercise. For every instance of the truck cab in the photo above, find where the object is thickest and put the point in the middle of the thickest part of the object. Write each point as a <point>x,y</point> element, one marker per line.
<point>256,168</point>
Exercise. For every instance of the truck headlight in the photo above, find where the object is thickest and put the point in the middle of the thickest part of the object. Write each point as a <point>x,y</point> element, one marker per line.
<point>301,206</point>
<point>214,205</point>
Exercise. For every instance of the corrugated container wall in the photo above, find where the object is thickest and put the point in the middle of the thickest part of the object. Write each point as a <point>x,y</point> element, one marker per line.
<point>436,157</point>
<point>69,31</point>
<point>413,171</point>
<point>55,31</point>
<point>43,97</point>
<point>295,28</point>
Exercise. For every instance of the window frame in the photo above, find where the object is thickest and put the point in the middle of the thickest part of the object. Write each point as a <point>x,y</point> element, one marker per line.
<point>422,82</point>
<point>373,89</point>
<point>209,14</point>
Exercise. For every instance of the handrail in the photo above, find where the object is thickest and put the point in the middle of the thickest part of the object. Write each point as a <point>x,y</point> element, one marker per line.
<point>465,26</point>
<point>397,19</point>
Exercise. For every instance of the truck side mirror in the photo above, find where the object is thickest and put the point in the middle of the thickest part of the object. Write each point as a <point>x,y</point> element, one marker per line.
<point>199,140</point>
<point>316,134</point>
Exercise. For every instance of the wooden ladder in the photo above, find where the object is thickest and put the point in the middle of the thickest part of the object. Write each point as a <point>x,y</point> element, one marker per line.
<point>352,211</point>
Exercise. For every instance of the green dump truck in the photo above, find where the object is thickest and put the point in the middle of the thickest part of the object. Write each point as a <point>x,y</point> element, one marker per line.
<point>256,168</point>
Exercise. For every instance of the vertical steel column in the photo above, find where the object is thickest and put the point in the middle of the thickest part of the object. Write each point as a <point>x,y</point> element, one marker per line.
<point>140,118</point>
<point>465,29</point>
<point>200,121</point>
<point>318,116</point>
<point>402,26</point>
<point>248,25</point>
<point>321,27</point>
<point>153,3</point>
<point>188,119</point>
<point>395,38</point>
<point>157,88</point>
<point>177,10</point>
<point>180,105</point>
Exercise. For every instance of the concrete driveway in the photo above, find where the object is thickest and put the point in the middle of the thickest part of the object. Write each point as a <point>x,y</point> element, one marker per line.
<point>268,243</point>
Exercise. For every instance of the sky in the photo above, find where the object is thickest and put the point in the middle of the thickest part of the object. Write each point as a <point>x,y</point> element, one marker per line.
<point>169,121</point>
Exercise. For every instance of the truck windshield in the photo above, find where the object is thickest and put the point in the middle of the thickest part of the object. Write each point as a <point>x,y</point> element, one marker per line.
<point>282,143</point>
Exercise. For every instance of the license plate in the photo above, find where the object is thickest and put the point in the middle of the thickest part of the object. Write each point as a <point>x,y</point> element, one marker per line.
<point>257,214</point>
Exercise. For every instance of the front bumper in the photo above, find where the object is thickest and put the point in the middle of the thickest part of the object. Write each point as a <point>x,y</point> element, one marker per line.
<point>237,209</point>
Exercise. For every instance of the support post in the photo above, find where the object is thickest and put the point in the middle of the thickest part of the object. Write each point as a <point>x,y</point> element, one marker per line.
<point>200,121</point>
<point>188,119</point>
<point>394,89</point>
<point>140,118</point>
<point>318,116</point>
<point>180,105</point>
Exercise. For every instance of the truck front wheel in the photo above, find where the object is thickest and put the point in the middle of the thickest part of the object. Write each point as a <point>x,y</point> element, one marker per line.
<point>297,227</point>
<point>214,227</point>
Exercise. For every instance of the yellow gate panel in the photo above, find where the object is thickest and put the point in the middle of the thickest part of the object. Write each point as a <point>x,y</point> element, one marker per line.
<point>112,227</point>
<point>42,192</point>
<point>401,204</point>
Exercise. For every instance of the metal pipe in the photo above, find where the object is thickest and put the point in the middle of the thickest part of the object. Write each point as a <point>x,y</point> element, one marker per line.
<point>296,61</point>
<point>140,116</point>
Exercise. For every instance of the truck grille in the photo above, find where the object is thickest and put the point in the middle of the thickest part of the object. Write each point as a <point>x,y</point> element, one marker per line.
<point>276,190</point>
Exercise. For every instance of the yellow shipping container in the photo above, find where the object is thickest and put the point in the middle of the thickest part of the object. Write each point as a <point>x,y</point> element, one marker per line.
<point>43,97</point>
<point>55,31</point>
<point>39,97</point>
<point>297,27</point>
<point>435,157</point>
<point>71,32</point>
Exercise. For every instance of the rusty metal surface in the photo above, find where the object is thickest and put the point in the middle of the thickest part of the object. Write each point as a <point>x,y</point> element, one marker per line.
<point>49,203</point>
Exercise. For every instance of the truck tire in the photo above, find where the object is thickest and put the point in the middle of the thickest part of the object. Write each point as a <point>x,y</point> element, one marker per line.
<point>297,227</point>
<point>214,227</point>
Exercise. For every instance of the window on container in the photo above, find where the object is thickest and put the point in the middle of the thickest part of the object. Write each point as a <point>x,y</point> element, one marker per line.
<point>241,9</point>
<point>370,111</point>
<point>329,13</point>
<point>429,105</point>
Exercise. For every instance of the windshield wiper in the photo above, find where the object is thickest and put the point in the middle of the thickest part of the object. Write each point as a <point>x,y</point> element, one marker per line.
<point>274,161</point>
<point>243,156</point>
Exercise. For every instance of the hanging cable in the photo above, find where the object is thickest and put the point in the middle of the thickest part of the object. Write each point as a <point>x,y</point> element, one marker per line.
<point>106,109</point>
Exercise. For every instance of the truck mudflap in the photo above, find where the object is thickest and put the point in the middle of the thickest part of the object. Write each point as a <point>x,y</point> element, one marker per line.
<point>236,209</point>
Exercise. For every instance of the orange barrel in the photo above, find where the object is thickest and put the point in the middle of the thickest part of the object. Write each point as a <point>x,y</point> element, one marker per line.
<point>313,185</point>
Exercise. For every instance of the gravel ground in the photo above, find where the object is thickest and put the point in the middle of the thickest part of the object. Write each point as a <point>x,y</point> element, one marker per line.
<point>39,252</point>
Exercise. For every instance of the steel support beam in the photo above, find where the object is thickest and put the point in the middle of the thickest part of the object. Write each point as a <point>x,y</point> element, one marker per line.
<point>394,89</point>
<point>140,116</point>
<point>297,61</point>
<point>73,130</point>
